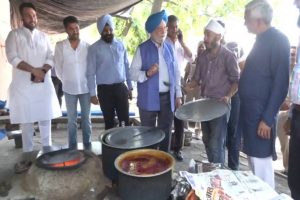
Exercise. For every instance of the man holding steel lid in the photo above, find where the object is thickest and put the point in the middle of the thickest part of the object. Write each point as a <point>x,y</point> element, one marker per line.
<point>217,73</point>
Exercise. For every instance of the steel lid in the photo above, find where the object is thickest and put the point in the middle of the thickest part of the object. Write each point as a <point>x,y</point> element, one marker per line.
<point>132,137</point>
<point>201,110</point>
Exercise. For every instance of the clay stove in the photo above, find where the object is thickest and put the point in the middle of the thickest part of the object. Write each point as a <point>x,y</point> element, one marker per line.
<point>65,174</point>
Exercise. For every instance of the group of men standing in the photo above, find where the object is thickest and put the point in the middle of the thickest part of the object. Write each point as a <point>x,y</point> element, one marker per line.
<point>78,65</point>
<point>98,73</point>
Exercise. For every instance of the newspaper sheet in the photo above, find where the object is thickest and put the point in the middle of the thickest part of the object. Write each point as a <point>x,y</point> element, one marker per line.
<point>229,185</point>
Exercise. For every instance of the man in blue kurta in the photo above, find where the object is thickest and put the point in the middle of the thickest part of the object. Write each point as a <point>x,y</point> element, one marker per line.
<point>158,78</point>
<point>263,87</point>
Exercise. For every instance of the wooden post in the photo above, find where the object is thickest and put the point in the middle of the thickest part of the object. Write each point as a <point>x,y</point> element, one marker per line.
<point>157,4</point>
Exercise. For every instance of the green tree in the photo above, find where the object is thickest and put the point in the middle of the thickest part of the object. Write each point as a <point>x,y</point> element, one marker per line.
<point>193,15</point>
<point>136,33</point>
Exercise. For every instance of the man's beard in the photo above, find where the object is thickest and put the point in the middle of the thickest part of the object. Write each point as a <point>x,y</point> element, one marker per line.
<point>212,46</point>
<point>159,39</point>
<point>29,26</point>
<point>108,38</point>
<point>74,37</point>
<point>173,36</point>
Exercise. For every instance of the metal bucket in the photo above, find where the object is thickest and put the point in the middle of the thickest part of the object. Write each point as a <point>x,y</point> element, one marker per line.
<point>122,139</point>
<point>156,185</point>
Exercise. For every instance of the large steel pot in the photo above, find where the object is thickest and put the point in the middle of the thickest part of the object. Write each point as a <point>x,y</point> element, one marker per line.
<point>133,184</point>
<point>116,141</point>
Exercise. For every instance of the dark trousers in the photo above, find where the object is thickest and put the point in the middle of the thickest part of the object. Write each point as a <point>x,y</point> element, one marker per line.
<point>233,139</point>
<point>178,134</point>
<point>114,100</point>
<point>164,119</point>
<point>294,156</point>
<point>58,88</point>
<point>213,136</point>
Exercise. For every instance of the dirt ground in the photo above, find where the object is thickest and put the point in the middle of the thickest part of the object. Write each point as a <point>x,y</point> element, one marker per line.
<point>11,155</point>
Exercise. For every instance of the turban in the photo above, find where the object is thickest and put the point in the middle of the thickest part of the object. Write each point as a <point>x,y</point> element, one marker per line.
<point>154,20</point>
<point>215,27</point>
<point>102,21</point>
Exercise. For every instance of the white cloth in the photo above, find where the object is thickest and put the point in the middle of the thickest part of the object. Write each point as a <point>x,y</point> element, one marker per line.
<point>137,75</point>
<point>283,137</point>
<point>215,27</point>
<point>71,66</point>
<point>27,134</point>
<point>180,55</point>
<point>263,168</point>
<point>30,102</point>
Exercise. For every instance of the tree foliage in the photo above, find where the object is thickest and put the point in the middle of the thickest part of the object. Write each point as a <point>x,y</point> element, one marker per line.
<point>137,33</point>
<point>193,16</point>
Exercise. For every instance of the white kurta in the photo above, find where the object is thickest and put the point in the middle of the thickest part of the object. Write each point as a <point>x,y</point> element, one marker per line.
<point>30,102</point>
<point>180,55</point>
<point>71,66</point>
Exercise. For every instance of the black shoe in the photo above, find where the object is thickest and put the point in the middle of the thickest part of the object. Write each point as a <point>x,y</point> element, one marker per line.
<point>285,172</point>
<point>178,156</point>
<point>87,146</point>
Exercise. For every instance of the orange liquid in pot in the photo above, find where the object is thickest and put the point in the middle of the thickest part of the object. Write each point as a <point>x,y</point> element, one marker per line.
<point>144,164</point>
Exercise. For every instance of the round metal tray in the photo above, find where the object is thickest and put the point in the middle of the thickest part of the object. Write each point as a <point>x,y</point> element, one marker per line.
<point>132,137</point>
<point>201,110</point>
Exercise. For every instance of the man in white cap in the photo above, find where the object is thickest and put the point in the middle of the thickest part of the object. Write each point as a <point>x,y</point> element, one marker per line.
<point>262,89</point>
<point>158,78</point>
<point>217,73</point>
<point>108,68</point>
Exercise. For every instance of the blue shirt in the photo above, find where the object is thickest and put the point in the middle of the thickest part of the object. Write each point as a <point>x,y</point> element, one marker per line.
<point>107,64</point>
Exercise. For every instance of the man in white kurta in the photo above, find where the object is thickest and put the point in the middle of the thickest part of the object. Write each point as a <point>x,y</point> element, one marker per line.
<point>31,93</point>
<point>181,52</point>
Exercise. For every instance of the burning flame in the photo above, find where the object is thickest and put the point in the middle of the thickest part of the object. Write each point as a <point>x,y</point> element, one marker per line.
<point>68,163</point>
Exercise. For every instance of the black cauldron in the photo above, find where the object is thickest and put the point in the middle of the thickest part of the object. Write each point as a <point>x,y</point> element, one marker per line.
<point>144,186</point>
<point>116,141</point>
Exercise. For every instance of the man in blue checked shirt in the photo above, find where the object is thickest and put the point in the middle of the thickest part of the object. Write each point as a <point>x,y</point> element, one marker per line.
<point>107,70</point>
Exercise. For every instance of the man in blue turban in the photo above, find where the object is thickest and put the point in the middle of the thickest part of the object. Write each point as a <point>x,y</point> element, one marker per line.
<point>158,78</point>
<point>108,69</point>
<point>154,20</point>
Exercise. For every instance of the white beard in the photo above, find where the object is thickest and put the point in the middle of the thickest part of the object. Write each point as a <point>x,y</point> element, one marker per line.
<point>159,40</point>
